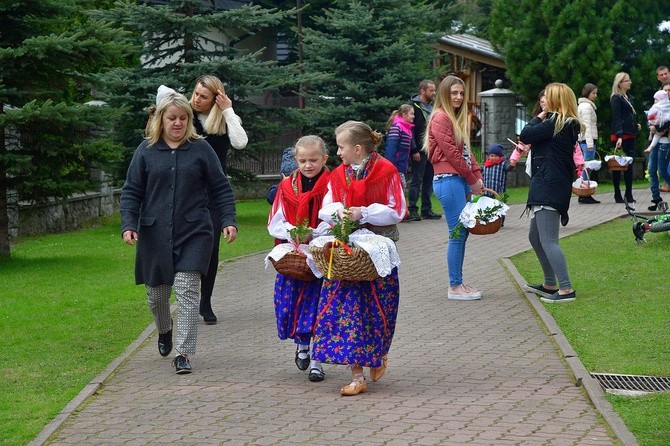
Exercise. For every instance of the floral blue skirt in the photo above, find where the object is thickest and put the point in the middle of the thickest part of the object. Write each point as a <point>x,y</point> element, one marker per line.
<point>356,320</point>
<point>296,302</point>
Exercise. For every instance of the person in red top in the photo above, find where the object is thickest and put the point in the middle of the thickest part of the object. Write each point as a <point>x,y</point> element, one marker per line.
<point>356,319</point>
<point>299,198</point>
<point>456,174</point>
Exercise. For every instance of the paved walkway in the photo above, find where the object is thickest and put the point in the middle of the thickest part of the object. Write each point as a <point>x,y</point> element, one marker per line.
<point>486,372</point>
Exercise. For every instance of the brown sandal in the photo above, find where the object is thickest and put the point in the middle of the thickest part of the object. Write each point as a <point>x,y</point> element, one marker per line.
<point>376,373</point>
<point>354,388</point>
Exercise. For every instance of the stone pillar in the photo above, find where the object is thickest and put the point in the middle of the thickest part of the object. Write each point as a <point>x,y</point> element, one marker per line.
<point>499,119</point>
<point>106,192</point>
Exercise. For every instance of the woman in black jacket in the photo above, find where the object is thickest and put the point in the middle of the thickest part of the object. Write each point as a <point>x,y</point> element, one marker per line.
<point>172,177</point>
<point>623,132</point>
<point>553,134</point>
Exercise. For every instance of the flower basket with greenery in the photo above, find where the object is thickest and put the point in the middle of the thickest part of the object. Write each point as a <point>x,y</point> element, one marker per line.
<point>482,215</point>
<point>338,260</point>
<point>294,263</point>
<point>617,160</point>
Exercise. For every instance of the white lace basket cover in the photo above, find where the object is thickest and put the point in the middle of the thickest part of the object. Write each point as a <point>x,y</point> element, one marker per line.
<point>469,213</point>
<point>622,160</point>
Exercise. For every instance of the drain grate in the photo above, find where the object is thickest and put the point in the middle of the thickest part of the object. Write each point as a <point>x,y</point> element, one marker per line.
<point>637,383</point>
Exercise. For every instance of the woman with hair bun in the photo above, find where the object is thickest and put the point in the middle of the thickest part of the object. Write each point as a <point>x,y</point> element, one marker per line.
<point>356,320</point>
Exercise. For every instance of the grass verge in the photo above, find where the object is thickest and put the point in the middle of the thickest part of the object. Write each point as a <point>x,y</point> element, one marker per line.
<point>620,322</point>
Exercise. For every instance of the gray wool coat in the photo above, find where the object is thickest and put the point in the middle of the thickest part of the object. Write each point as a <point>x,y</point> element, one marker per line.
<point>164,199</point>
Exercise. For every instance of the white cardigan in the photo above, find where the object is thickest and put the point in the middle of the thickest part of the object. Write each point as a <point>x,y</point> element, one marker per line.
<point>587,114</point>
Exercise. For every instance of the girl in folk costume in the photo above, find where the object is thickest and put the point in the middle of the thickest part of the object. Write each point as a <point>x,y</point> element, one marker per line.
<point>356,320</point>
<point>298,199</point>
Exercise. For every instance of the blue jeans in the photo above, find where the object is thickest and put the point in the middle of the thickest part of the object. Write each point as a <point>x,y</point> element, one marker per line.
<point>652,166</point>
<point>663,159</point>
<point>452,191</point>
<point>588,154</point>
<point>658,166</point>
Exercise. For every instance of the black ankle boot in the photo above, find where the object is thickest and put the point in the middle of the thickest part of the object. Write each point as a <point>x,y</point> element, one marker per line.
<point>206,311</point>
<point>165,343</point>
<point>629,198</point>
<point>618,198</point>
<point>655,202</point>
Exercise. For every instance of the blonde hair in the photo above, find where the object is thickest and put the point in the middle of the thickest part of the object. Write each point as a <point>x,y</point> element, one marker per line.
<point>618,78</point>
<point>458,117</point>
<point>359,133</point>
<point>561,101</point>
<point>155,129</point>
<point>310,141</point>
<point>402,110</point>
<point>215,124</point>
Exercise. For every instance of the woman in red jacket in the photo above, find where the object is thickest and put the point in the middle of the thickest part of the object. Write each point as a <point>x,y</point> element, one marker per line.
<point>456,171</point>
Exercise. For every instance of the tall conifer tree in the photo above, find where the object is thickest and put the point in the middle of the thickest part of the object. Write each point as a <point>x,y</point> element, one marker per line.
<point>48,138</point>
<point>183,39</point>
<point>372,54</point>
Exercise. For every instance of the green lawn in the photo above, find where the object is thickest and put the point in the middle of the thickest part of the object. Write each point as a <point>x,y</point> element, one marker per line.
<point>61,297</point>
<point>620,322</point>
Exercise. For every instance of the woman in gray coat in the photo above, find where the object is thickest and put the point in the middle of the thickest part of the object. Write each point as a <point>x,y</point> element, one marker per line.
<point>171,178</point>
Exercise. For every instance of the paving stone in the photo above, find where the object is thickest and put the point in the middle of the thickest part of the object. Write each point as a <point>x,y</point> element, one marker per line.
<point>482,372</point>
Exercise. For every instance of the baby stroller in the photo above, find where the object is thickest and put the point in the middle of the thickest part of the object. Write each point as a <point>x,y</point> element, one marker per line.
<point>645,223</point>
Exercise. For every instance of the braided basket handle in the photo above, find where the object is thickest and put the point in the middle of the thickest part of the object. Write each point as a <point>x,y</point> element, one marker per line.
<point>496,194</point>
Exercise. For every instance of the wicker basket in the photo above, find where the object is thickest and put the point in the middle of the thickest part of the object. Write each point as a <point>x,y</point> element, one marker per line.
<point>295,266</point>
<point>584,191</point>
<point>485,229</point>
<point>356,266</point>
<point>613,165</point>
<point>490,227</point>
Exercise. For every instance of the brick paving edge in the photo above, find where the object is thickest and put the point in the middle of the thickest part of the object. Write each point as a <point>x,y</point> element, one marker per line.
<point>92,387</point>
<point>582,376</point>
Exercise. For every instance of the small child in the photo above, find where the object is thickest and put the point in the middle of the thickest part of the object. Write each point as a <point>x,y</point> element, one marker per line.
<point>495,171</point>
<point>399,139</point>
<point>299,197</point>
<point>287,166</point>
<point>658,115</point>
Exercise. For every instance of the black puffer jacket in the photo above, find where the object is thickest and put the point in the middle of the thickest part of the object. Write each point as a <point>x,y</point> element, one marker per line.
<point>552,163</point>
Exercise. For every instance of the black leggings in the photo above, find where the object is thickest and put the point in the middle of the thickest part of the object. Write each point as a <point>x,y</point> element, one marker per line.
<point>207,285</point>
<point>628,146</point>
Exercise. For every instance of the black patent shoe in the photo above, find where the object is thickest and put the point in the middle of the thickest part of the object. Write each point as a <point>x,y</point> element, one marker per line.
<point>181,365</point>
<point>316,374</point>
<point>302,364</point>
<point>209,317</point>
<point>165,343</point>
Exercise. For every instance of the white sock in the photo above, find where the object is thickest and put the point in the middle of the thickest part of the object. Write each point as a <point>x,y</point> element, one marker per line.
<point>303,347</point>
<point>314,364</point>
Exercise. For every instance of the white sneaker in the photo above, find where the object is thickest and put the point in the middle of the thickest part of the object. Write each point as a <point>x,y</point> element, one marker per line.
<point>475,295</point>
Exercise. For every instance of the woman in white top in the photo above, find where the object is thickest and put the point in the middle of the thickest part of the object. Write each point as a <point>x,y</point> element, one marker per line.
<point>217,122</point>
<point>588,139</point>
